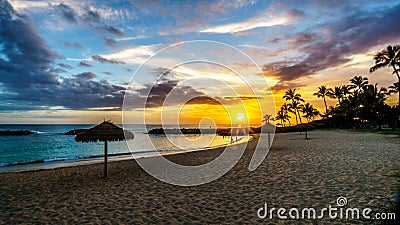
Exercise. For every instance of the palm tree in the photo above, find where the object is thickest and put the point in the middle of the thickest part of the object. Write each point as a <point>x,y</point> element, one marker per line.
<point>285,107</point>
<point>389,57</point>
<point>283,114</point>
<point>295,105</point>
<point>286,110</point>
<point>309,112</point>
<point>394,88</point>
<point>358,83</point>
<point>336,93</point>
<point>323,92</point>
<point>280,116</point>
<point>267,118</point>
<point>295,108</point>
<point>290,95</point>
<point>345,91</point>
<point>373,100</point>
<point>339,93</point>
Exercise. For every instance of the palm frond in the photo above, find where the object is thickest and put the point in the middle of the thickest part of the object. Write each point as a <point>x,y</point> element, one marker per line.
<point>378,66</point>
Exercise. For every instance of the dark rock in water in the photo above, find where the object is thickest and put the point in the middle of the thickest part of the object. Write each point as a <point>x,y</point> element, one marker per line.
<point>75,131</point>
<point>156,131</point>
<point>15,132</point>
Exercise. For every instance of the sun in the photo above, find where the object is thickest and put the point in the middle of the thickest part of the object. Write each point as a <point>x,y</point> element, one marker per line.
<point>240,116</point>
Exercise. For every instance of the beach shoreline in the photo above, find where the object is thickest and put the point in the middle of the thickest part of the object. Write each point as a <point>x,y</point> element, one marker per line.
<point>296,173</point>
<point>100,159</point>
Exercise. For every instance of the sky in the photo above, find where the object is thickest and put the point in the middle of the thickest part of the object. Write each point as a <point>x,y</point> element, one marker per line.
<point>74,61</point>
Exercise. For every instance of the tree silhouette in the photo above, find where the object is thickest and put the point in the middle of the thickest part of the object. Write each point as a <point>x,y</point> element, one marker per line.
<point>309,112</point>
<point>360,104</point>
<point>295,105</point>
<point>394,88</point>
<point>267,118</point>
<point>345,89</point>
<point>373,100</point>
<point>295,108</point>
<point>323,92</point>
<point>283,114</point>
<point>358,83</point>
<point>336,93</point>
<point>389,57</point>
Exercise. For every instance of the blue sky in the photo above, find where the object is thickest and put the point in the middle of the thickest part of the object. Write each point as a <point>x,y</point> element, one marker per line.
<point>70,61</point>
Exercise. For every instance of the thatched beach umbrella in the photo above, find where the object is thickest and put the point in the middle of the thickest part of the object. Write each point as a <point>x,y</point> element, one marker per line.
<point>305,127</point>
<point>106,131</point>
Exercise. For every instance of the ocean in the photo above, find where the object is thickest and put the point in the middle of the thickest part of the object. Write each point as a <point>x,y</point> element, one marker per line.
<point>49,144</point>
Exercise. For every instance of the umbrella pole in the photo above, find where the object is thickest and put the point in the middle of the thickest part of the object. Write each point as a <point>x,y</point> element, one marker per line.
<point>105,158</point>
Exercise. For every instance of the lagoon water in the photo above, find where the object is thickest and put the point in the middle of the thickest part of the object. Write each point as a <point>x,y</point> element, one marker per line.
<point>48,143</point>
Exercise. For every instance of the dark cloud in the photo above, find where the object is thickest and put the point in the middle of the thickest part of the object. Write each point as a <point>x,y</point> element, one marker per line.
<point>161,72</point>
<point>30,79</point>
<point>66,66</point>
<point>242,98</point>
<point>79,92</point>
<point>154,95</point>
<point>103,60</point>
<point>303,38</point>
<point>89,18</point>
<point>107,73</point>
<point>113,30</point>
<point>67,13</point>
<point>73,45</point>
<point>206,100</point>
<point>295,14</point>
<point>228,100</point>
<point>274,41</point>
<point>158,92</point>
<point>84,64</point>
<point>86,76</point>
<point>56,70</point>
<point>27,55</point>
<point>340,38</point>
<point>285,86</point>
<point>110,42</point>
<point>92,16</point>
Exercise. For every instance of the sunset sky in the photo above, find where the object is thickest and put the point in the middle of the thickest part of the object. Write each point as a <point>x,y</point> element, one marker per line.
<point>71,61</point>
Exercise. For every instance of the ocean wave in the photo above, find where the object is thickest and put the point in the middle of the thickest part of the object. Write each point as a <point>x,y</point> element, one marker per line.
<point>46,132</point>
<point>38,132</point>
<point>59,159</point>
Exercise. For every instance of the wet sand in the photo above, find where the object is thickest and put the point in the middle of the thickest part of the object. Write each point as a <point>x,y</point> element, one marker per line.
<point>297,173</point>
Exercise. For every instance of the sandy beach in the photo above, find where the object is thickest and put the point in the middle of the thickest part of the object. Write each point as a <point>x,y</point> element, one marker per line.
<point>297,173</point>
